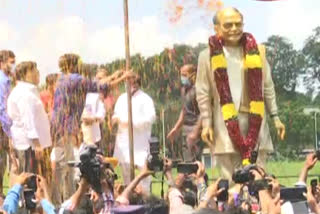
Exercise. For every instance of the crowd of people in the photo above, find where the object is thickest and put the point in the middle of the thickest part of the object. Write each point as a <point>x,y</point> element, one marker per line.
<point>55,148</point>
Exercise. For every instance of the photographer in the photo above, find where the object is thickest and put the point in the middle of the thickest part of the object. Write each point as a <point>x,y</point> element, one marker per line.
<point>129,191</point>
<point>132,195</point>
<point>11,205</point>
<point>97,173</point>
<point>269,205</point>
<point>183,194</point>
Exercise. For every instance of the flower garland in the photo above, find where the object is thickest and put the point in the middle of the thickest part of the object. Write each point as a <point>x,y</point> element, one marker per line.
<point>253,65</point>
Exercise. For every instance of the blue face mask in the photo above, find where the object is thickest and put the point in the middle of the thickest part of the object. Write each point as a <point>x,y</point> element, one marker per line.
<point>185,81</point>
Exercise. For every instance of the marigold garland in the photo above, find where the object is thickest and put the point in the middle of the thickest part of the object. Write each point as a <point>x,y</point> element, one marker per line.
<point>253,65</point>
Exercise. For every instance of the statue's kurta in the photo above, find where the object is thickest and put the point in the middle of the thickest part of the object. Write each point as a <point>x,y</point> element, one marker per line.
<point>209,105</point>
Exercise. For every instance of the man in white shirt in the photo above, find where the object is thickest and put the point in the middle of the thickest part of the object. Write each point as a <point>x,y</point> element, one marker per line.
<point>143,115</point>
<point>30,124</point>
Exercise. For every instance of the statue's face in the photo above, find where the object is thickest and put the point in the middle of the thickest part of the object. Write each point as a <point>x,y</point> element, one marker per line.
<point>230,27</point>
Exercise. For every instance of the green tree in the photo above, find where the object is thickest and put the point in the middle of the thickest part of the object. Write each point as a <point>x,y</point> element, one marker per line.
<point>311,51</point>
<point>286,63</point>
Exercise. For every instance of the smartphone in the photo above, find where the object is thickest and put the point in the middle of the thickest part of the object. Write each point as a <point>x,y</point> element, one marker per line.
<point>32,183</point>
<point>187,168</point>
<point>314,183</point>
<point>293,194</point>
<point>223,196</point>
<point>29,199</point>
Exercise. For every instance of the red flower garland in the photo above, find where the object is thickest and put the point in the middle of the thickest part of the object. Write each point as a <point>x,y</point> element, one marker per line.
<point>244,144</point>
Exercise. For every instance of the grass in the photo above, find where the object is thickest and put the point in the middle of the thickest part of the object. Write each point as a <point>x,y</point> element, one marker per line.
<point>287,173</point>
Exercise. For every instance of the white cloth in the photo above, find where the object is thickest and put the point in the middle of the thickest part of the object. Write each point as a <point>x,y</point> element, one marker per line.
<point>29,119</point>
<point>234,59</point>
<point>143,115</point>
<point>94,108</point>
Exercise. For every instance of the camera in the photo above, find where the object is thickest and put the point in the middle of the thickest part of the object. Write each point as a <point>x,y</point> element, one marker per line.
<point>243,175</point>
<point>29,192</point>
<point>187,168</point>
<point>314,184</point>
<point>90,166</point>
<point>155,162</point>
<point>223,196</point>
<point>254,157</point>
<point>293,194</point>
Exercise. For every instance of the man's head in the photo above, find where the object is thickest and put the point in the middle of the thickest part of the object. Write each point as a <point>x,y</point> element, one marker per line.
<point>7,61</point>
<point>28,72</point>
<point>69,63</point>
<point>51,80</point>
<point>62,64</point>
<point>228,24</point>
<point>101,73</point>
<point>135,83</point>
<point>188,74</point>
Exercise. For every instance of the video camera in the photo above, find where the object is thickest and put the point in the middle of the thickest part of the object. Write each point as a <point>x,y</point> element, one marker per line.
<point>187,168</point>
<point>243,175</point>
<point>90,166</point>
<point>155,162</point>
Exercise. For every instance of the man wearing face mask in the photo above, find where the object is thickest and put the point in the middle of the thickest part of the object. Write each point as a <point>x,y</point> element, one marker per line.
<point>143,115</point>
<point>189,118</point>
<point>234,88</point>
<point>7,67</point>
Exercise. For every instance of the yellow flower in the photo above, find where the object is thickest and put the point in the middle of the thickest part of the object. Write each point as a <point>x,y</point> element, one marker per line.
<point>245,162</point>
<point>257,107</point>
<point>218,61</point>
<point>229,111</point>
<point>253,61</point>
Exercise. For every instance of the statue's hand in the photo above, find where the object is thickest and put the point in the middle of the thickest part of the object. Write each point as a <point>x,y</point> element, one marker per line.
<point>281,129</point>
<point>207,135</point>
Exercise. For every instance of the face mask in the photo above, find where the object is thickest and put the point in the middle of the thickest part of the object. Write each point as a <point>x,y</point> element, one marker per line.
<point>185,81</point>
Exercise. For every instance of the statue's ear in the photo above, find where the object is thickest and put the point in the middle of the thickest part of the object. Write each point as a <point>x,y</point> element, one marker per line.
<point>216,28</point>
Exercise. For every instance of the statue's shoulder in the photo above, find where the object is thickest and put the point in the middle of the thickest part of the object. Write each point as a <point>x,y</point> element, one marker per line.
<point>262,49</point>
<point>204,54</point>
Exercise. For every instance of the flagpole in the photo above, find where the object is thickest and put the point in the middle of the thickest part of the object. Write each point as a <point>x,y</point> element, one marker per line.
<point>127,46</point>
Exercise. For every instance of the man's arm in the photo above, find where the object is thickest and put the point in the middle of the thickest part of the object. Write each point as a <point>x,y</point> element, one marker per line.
<point>269,92</point>
<point>10,204</point>
<point>177,126</point>
<point>143,174</point>
<point>203,93</point>
<point>5,120</point>
<point>310,162</point>
<point>270,95</point>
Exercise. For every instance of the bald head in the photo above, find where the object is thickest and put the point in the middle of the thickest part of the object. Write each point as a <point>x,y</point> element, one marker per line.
<point>226,11</point>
